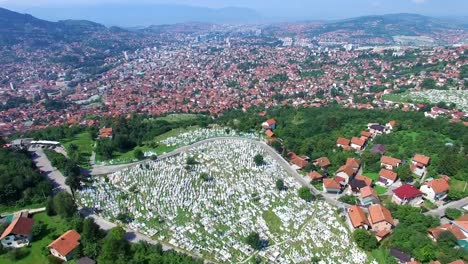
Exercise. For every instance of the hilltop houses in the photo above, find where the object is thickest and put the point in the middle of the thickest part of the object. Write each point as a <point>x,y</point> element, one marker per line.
<point>343,143</point>
<point>407,194</point>
<point>387,177</point>
<point>458,227</point>
<point>105,132</point>
<point>65,245</point>
<point>358,218</point>
<point>298,162</point>
<point>18,233</point>
<point>419,164</point>
<point>389,163</point>
<point>358,143</point>
<point>436,190</point>
<point>368,196</point>
<point>381,220</point>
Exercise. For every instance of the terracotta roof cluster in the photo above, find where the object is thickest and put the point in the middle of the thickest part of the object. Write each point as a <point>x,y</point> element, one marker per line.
<point>66,243</point>
<point>358,141</point>
<point>105,132</point>
<point>343,141</point>
<point>368,191</point>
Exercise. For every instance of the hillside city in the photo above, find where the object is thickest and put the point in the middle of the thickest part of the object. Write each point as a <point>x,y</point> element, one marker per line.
<point>298,142</point>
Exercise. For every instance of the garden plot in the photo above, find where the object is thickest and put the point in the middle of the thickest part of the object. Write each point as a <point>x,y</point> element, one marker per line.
<point>209,208</point>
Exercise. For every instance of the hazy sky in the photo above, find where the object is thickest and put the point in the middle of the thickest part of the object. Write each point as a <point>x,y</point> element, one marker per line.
<point>310,9</point>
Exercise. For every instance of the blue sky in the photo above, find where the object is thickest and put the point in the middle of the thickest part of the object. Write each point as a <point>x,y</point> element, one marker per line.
<point>300,9</point>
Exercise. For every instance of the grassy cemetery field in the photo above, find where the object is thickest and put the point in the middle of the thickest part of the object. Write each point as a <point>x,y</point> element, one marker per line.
<point>209,199</point>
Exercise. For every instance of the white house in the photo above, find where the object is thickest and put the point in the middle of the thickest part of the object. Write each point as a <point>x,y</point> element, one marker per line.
<point>19,233</point>
<point>419,164</point>
<point>435,190</point>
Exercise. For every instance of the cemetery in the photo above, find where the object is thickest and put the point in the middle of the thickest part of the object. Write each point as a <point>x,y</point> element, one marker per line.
<point>208,199</point>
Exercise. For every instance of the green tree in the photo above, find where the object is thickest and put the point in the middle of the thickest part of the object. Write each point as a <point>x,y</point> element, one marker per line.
<point>258,159</point>
<point>453,213</point>
<point>365,240</point>
<point>115,248</point>
<point>139,155</point>
<point>50,211</point>
<point>280,184</point>
<point>404,173</point>
<point>253,240</point>
<point>64,205</point>
<point>305,193</point>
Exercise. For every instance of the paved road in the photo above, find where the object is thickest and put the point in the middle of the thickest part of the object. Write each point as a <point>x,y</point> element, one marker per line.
<point>439,212</point>
<point>332,199</point>
<point>54,175</point>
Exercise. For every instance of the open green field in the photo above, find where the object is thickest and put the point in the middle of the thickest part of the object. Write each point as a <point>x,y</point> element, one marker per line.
<point>85,144</point>
<point>178,117</point>
<point>459,186</point>
<point>34,253</point>
<point>399,97</point>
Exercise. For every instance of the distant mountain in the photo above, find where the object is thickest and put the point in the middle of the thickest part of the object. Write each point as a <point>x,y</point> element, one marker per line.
<point>147,14</point>
<point>16,27</point>
<point>393,24</point>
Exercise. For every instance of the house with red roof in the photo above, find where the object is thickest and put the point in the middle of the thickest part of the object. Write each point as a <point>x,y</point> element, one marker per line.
<point>358,143</point>
<point>407,194</point>
<point>331,185</point>
<point>298,162</point>
<point>18,233</point>
<point>381,220</point>
<point>389,163</point>
<point>315,176</point>
<point>105,132</point>
<point>343,143</point>
<point>65,245</point>
<point>458,227</point>
<point>436,190</point>
<point>368,196</point>
<point>387,177</point>
<point>357,218</point>
<point>322,162</point>
<point>269,133</point>
<point>269,124</point>
<point>419,164</point>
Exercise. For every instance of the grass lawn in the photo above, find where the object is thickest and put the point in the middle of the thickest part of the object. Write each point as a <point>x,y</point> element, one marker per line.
<point>459,186</point>
<point>85,144</point>
<point>380,190</point>
<point>273,221</point>
<point>55,227</point>
<point>178,117</point>
<point>373,175</point>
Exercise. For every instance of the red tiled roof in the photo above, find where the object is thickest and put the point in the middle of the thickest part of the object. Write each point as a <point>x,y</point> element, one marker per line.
<point>331,183</point>
<point>66,243</point>
<point>269,133</point>
<point>19,226</point>
<point>271,121</point>
<point>343,141</point>
<point>439,185</point>
<point>390,161</point>
<point>314,175</point>
<point>358,141</point>
<point>346,169</point>
<point>368,191</point>
<point>388,174</point>
<point>365,179</point>
<point>378,213</point>
<point>322,162</point>
<point>366,134</point>
<point>418,158</point>
<point>407,191</point>
<point>357,216</point>
<point>354,163</point>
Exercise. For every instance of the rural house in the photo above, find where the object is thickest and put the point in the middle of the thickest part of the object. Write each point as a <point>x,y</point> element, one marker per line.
<point>64,246</point>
